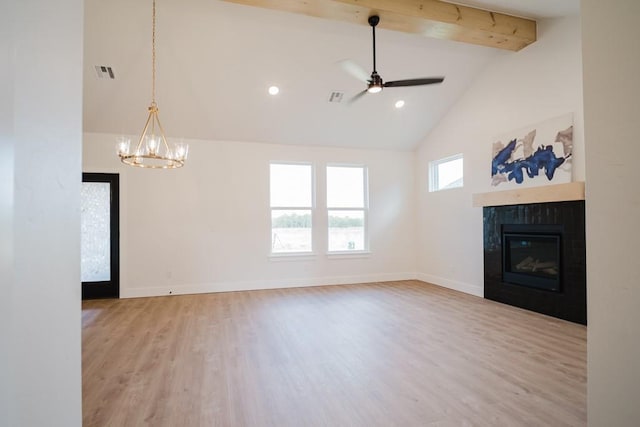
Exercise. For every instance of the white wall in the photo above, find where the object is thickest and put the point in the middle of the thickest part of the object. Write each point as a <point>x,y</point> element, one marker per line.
<point>206,227</point>
<point>40,134</point>
<point>520,89</point>
<point>611,93</point>
<point>6,204</point>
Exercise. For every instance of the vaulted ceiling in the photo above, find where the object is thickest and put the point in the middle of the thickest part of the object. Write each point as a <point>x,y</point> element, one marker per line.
<point>216,60</point>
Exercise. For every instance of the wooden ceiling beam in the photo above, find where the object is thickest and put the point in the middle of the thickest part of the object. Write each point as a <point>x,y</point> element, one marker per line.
<point>431,18</point>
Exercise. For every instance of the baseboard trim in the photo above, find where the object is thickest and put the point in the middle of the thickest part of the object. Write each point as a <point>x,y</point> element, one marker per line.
<point>452,284</point>
<point>206,288</point>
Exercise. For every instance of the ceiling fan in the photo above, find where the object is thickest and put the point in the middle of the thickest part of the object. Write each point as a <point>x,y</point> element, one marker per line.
<point>375,84</point>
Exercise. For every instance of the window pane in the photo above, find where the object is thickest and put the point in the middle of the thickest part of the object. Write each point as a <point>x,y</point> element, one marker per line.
<point>290,230</point>
<point>450,174</point>
<point>345,187</point>
<point>95,235</point>
<point>290,185</point>
<point>446,173</point>
<point>346,230</point>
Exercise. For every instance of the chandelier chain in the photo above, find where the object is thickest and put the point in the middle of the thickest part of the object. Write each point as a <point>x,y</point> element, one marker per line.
<point>153,56</point>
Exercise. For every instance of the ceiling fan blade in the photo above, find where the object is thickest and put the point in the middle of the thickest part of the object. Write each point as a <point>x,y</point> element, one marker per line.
<point>414,82</point>
<point>356,97</point>
<point>355,70</point>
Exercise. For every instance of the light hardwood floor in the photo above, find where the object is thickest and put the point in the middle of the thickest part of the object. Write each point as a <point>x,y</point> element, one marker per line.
<point>382,354</point>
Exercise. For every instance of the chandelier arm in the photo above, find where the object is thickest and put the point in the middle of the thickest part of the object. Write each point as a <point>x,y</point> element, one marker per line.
<point>144,131</point>
<point>166,145</point>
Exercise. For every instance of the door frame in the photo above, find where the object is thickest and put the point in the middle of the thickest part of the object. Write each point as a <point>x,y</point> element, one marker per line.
<point>111,288</point>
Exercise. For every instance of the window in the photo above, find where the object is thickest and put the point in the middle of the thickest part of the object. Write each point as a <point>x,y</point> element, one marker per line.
<point>446,173</point>
<point>291,205</point>
<point>347,208</point>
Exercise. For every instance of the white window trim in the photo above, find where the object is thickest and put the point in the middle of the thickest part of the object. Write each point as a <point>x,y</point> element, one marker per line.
<point>293,256</point>
<point>349,254</point>
<point>433,175</point>
<point>366,252</point>
<point>280,256</point>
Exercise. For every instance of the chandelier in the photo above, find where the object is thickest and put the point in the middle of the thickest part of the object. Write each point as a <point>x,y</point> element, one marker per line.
<point>152,150</point>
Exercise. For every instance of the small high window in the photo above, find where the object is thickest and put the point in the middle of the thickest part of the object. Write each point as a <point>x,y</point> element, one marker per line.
<point>446,173</point>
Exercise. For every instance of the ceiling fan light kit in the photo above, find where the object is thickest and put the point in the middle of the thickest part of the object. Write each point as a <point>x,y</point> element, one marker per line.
<point>375,83</point>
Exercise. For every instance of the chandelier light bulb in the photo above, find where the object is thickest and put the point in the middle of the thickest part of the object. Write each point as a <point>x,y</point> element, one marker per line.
<point>153,142</point>
<point>180,151</point>
<point>122,146</point>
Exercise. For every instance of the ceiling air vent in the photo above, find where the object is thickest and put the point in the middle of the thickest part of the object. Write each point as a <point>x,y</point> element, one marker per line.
<point>105,72</point>
<point>336,96</point>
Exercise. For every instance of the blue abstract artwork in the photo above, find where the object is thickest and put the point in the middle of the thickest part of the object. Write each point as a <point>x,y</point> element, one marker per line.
<point>532,159</point>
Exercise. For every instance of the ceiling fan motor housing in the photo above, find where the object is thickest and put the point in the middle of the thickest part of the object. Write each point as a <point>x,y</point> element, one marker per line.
<point>375,84</point>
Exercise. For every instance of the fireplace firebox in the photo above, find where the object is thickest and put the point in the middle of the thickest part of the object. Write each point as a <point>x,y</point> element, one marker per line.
<point>531,256</point>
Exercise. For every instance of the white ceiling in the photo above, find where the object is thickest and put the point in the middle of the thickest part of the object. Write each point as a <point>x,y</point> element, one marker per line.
<point>215,61</point>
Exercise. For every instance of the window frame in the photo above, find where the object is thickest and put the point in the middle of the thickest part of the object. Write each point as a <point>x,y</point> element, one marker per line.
<point>433,172</point>
<point>364,209</point>
<point>311,209</point>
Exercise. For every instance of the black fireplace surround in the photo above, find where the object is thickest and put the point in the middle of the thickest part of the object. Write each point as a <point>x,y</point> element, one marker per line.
<point>534,258</point>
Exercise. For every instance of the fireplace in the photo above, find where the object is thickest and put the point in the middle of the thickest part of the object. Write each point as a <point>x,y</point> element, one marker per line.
<point>534,257</point>
<point>531,256</point>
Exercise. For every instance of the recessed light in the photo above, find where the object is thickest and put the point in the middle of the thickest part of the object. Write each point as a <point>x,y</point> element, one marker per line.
<point>274,90</point>
<point>399,104</point>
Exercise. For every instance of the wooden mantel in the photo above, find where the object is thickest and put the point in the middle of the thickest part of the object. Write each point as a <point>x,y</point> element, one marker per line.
<point>431,18</point>
<point>544,194</point>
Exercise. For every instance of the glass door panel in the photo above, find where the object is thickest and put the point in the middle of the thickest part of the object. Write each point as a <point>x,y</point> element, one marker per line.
<point>95,222</point>
<point>99,266</point>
